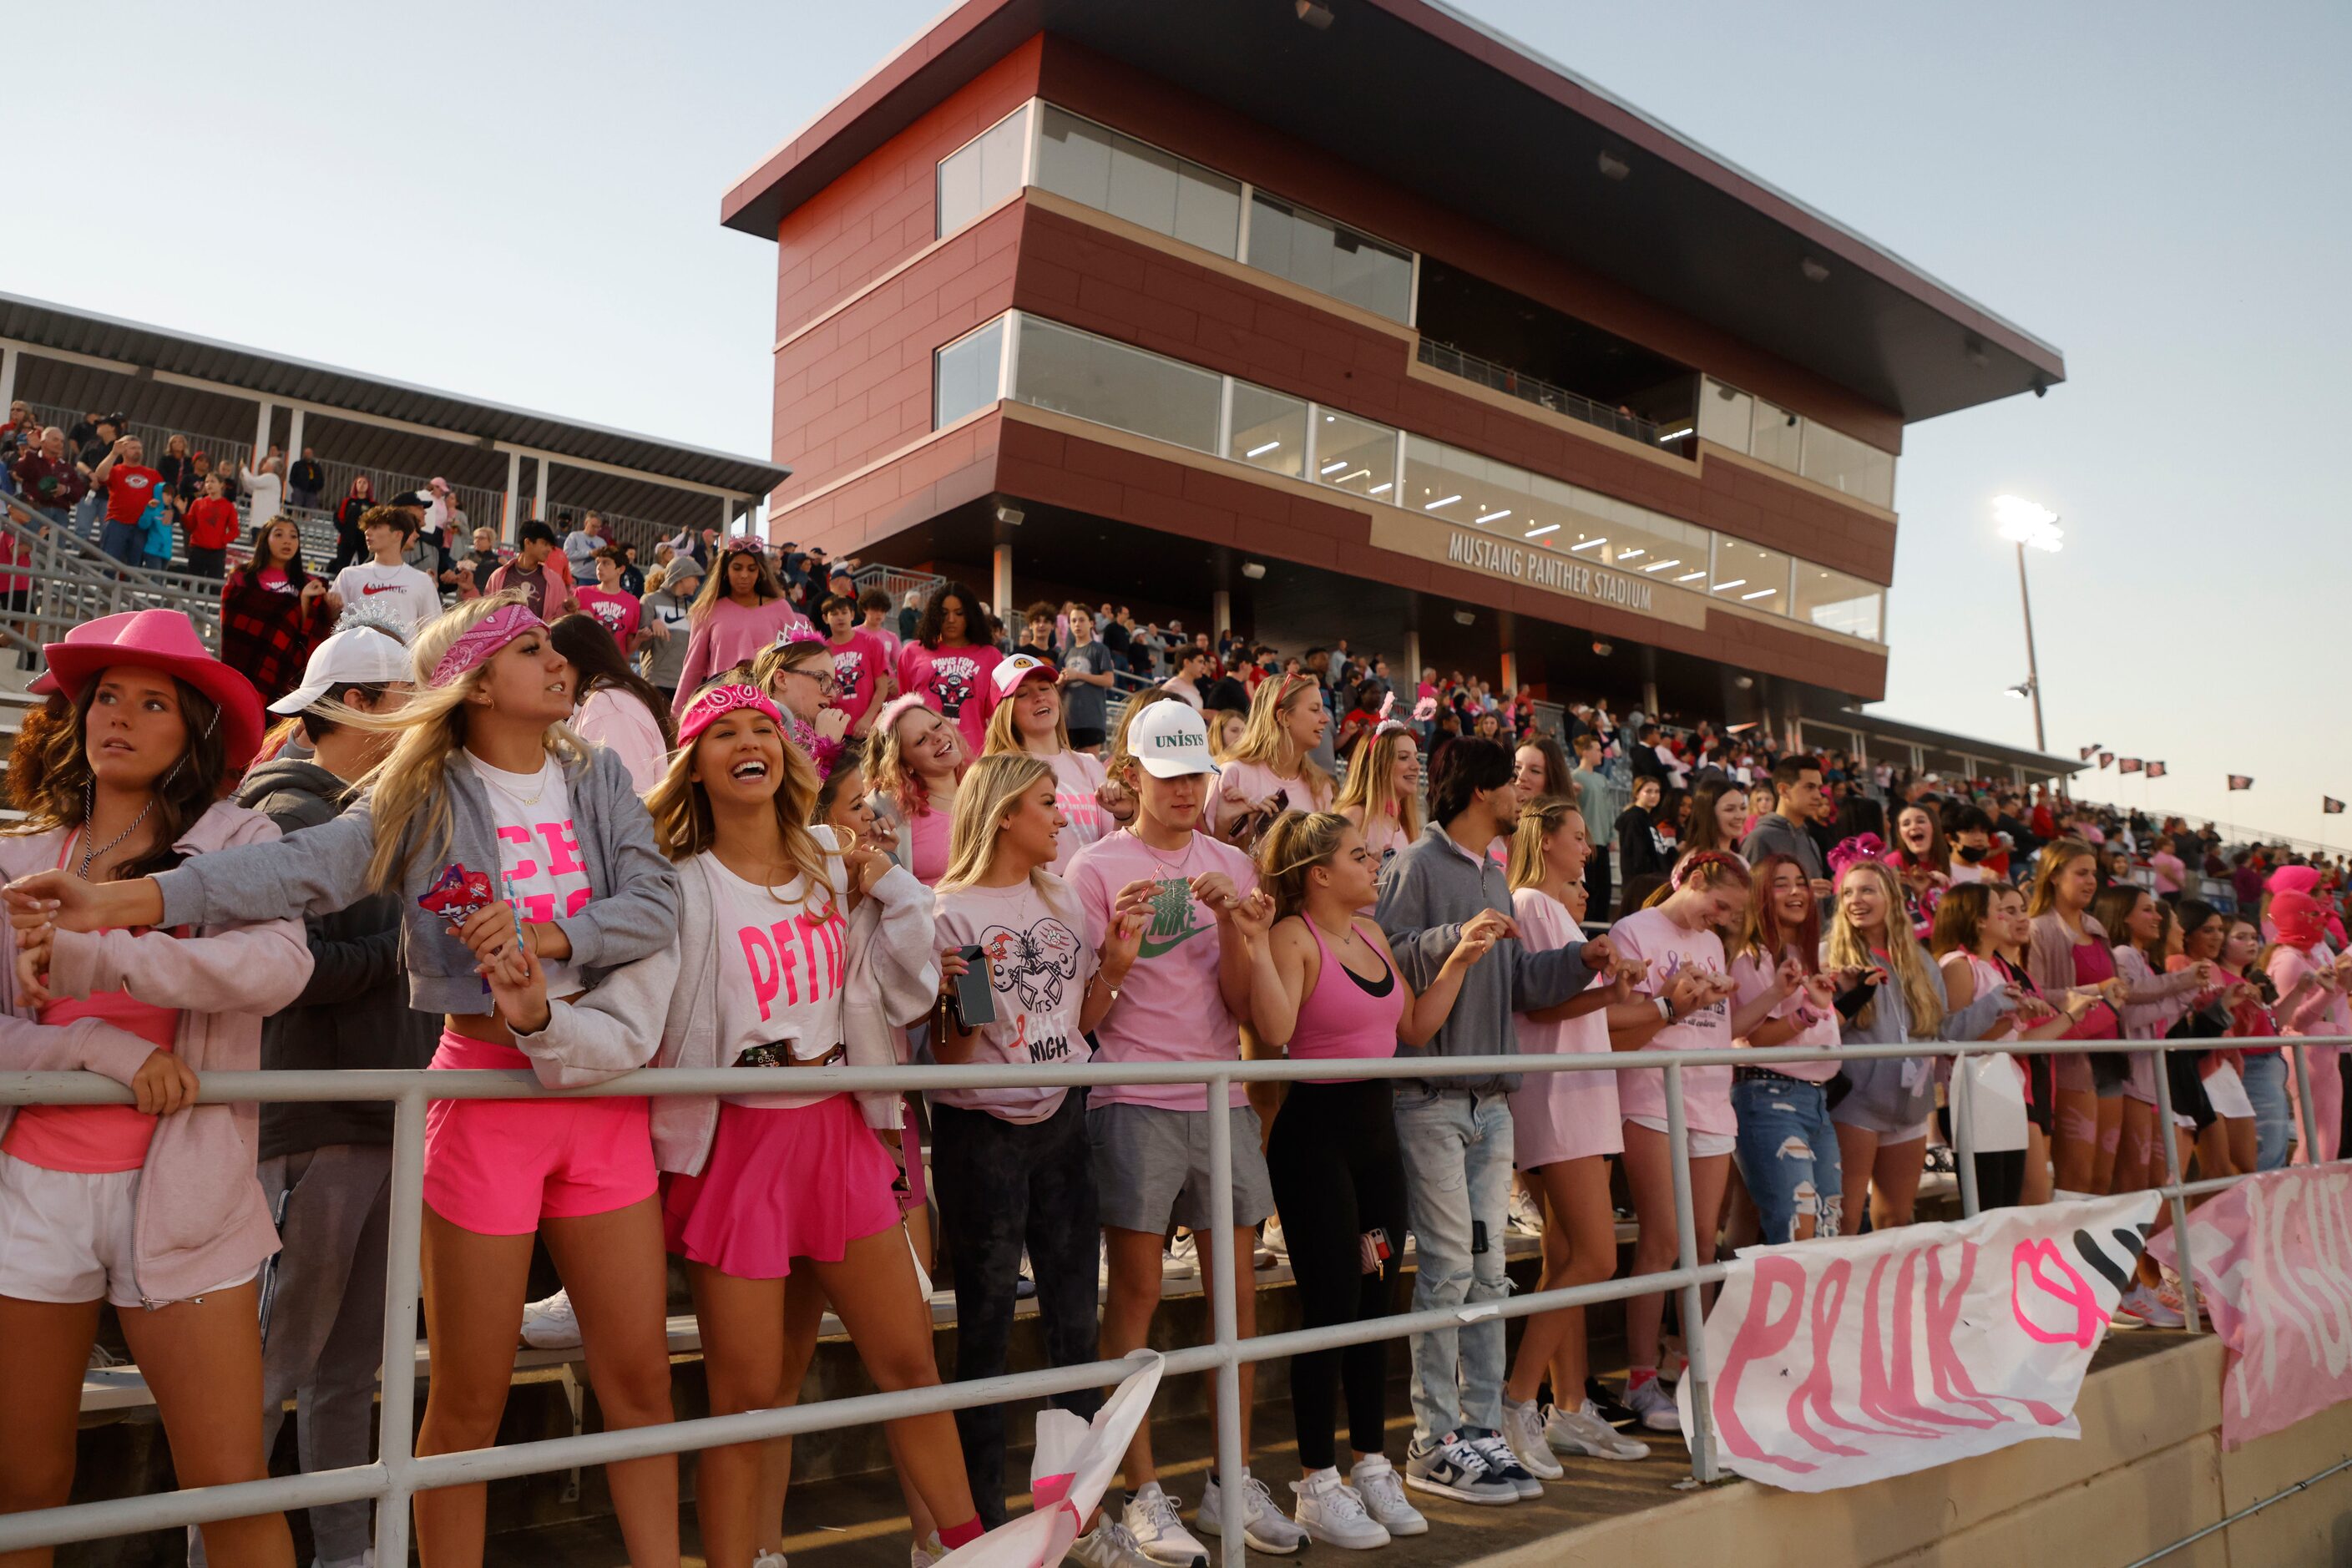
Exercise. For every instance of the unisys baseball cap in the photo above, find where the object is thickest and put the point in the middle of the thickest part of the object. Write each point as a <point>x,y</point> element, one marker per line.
<point>1170,739</point>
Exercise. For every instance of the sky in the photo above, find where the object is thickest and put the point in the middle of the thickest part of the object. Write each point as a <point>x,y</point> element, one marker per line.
<point>464,197</point>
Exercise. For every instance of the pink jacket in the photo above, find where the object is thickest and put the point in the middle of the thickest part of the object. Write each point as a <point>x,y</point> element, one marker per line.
<point>201,1220</point>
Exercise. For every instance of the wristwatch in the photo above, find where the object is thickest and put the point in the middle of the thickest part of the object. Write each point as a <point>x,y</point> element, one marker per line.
<point>1665,1008</point>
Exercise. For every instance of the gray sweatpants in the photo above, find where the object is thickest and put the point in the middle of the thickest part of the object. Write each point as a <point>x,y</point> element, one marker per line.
<point>325,1341</point>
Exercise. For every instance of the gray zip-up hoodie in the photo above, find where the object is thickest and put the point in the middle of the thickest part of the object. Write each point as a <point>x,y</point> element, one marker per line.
<point>633,911</point>
<point>1902,1089</point>
<point>1428,891</point>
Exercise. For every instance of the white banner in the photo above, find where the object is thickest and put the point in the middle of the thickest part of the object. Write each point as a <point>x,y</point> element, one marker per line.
<point>1849,1360</point>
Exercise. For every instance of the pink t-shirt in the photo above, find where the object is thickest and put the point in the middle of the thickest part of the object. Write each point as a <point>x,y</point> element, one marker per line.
<point>857,665</point>
<point>954,683</point>
<point>1650,937</point>
<point>1039,962</point>
<point>1169,1010</point>
<point>1077,778</point>
<point>733,633</point>
<point>1558,1116</point>
<point>618,611</point>
<point>1752,972</point>
<point>2168,872</point>
<point>1239,784</point>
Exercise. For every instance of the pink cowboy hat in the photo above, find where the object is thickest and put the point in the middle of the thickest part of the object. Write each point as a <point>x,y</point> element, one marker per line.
<point>164,640</point>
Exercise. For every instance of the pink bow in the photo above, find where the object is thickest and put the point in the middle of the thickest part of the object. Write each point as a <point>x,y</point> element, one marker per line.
<point>1855,850</point>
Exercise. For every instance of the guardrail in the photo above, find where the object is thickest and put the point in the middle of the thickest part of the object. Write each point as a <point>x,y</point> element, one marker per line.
<point>72,581</point>
<point>1541,392</point>
<point>399,1472</point>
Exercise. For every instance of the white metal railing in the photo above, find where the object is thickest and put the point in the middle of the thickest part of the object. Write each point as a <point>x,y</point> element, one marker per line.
<point>399,1472</point>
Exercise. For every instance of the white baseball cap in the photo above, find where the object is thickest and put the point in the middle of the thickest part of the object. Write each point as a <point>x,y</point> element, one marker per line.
<point>1016,669</point>
<point>1170,741</point>
<point>359,656</point>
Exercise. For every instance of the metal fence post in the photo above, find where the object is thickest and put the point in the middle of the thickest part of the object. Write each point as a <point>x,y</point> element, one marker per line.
<point>397,1437</point>
<point>2171,1136</point>
<point>1964,1134</point>
<point>2310,1111</point>
<point>1224,1311</point>
<point>1686,1257</point>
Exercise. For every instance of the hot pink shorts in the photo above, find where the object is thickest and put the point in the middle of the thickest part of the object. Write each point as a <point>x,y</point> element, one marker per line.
<point>781,1185</point>
<point>497,1167</point>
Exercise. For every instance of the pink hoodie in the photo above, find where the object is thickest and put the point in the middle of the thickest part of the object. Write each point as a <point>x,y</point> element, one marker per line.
<point>201,1219</point>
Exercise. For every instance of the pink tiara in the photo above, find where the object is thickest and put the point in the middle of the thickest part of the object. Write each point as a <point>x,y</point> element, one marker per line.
<point>483,638</point>
<point>716,704</point>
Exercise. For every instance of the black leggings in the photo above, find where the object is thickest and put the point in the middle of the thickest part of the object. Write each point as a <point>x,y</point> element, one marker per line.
<point>1338,1177</point>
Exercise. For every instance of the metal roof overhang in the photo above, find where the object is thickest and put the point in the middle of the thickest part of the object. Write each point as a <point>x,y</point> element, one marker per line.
<point>39,324</point>
<point>1880,727</point>
<point>1467,118</point>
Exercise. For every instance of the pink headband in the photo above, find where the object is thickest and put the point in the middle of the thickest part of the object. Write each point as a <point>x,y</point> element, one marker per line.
<point>483,638</point>
<point>719,700</point>
<point>896,709</point>
<point>1855,850</point>
<point>1390,724</point>
<point>1697,858</point>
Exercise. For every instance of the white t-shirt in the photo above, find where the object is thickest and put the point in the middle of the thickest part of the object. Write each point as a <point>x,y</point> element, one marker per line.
<point>1039,962</point>
<point>540,868</point>
<point>267,491</point>
<point>1077,778</point>
<point>409,594</point>
<point>782,960</point>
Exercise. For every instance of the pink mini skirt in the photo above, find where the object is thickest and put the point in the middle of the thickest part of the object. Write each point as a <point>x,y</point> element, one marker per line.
<point>497,1167</point>
<point>781,1185</point>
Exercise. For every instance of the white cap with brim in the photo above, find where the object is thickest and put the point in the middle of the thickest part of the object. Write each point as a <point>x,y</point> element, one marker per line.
<point>1013,671</point>
<point>362,655</point>
<point>1170,741</point>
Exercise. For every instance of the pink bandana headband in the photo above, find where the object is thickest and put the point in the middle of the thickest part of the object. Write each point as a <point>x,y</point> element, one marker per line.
<point>483,638</point>
<point>719,700</point>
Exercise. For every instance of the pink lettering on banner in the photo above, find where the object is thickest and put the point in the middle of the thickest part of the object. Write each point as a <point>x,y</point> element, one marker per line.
<point>2273,1264</point>
<point>1852,1359</point>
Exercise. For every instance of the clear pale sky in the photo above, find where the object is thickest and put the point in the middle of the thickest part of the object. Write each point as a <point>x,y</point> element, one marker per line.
<point>474,199</point>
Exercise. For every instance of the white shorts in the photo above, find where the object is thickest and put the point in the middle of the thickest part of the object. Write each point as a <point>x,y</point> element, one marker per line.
<point>1703,1145</point>
<point>66,1236</point>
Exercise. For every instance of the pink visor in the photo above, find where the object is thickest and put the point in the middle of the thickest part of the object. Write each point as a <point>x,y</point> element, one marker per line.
<point>483,639</point>
<point>717,703</point>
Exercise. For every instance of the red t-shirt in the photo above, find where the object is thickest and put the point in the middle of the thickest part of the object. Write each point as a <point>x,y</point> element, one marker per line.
<point>128,491</point>
<point>212,521</point>
<point>617,608</point>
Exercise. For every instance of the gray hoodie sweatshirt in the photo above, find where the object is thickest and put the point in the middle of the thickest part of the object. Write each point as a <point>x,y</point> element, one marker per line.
<point>354,1011</point>
<point>633,912</point>
<point>1428,891</point>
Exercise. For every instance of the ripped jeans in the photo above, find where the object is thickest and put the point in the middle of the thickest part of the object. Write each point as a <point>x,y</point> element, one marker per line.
<point>1788,1153</point>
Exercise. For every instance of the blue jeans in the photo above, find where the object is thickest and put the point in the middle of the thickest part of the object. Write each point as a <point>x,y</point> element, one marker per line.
<point>1787,1156</point>
<point>1457,1188</point>
<point>2265,1081</point>
<point>121,541</point>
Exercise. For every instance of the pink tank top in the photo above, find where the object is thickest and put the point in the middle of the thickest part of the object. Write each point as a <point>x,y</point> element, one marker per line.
<point>2094,965</point>
<point>1346,1016</point>
<point>91,1140</point>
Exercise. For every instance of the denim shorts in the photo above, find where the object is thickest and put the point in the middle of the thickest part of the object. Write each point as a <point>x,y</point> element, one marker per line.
<point>1787,1153</point>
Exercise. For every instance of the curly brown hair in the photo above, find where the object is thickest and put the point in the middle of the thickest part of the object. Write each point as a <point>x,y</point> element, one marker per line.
<point>48,771</point>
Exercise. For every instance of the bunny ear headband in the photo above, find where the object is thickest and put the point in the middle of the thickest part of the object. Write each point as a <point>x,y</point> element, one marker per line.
<point>1852,851</point>
<point>1388,724</point>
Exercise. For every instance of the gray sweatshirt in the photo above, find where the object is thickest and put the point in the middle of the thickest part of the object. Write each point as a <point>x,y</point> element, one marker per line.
<point>633,910</point>
<point>1776,835</point>
<point>1897,1092</point>
<point>1429,889</point>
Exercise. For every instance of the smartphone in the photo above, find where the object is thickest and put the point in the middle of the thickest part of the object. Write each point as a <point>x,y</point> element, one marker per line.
<point>975,992</point>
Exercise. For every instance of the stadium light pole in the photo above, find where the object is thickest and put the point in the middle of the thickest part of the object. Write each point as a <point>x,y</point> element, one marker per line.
<point>2028,523</point>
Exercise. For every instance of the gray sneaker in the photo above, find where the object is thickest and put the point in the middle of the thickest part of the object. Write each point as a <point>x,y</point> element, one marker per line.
<point>1109,1544</point>
<point>1450,1467</point>
<point>1582,1431</point>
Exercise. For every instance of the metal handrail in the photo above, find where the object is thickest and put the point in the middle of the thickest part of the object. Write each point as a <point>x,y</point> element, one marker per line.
<point>399,1473</point>
<point>72,581</point>
<point>1534,390</point>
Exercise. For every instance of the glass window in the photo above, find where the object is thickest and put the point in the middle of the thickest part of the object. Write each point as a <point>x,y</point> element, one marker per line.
<point>1837,603</point>
<point>1749,574</point>
<point>1129,179</point>
<point>1353,454</point>
<point>1328,257</point>
<point>968,373</point>
<point>1269,430</point>
<point>1777,436</point>
<point>983,171</point>
<point>1725,414</point>
<point>1842,463</point>
<point>1110,383</point>
<point>1480,492</point>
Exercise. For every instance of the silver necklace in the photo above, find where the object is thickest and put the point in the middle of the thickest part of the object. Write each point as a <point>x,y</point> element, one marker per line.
<point>88,816</point>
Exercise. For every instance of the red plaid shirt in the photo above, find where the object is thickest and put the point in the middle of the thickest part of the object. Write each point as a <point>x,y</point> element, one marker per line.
<point>267,635</point>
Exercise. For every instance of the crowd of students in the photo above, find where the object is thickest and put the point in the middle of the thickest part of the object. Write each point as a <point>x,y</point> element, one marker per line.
<point>589,829</point>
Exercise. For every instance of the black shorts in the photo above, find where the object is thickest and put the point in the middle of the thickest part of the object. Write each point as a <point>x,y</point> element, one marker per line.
<point>1085,739</point>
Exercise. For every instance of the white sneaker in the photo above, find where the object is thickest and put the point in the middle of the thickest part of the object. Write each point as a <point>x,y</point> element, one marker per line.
<point>769,1559</point>
<point>1109,1544</point>
<point>552,1324</point>
<point>1656,1406</point>
<point>1526,1219</point>
<point>1159,1532</point>
<point>929,1553</point>
<point>1181,1261</point>
<point>1329,1511</point>
<point>1523,1429</point>
<point>1582,1431</point>
<point>1266,1527</point>
<point>1377,1486</point>
<point>2142,1303</point>
<point>1274,1241</point>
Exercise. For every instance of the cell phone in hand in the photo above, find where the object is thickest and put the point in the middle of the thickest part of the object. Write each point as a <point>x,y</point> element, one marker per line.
<point>975,992</point>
